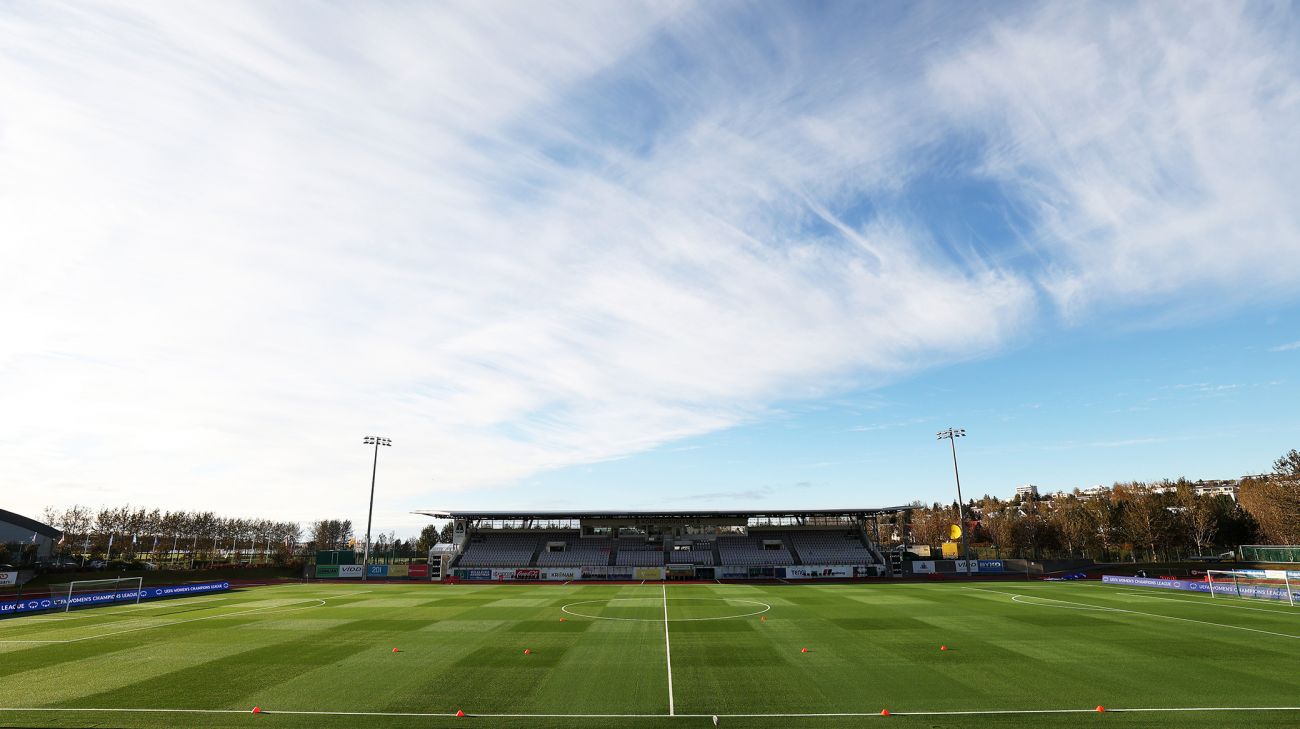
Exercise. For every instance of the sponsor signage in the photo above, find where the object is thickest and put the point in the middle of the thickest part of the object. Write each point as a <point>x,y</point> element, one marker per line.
<point>648,573</point>
<point>350,571</point>
<point>991,565</point>
<point>526,574</point>
<point>95,599</point>
<point>418,570</point>
<point>377,570</point>
<point>8,578</point>
<point>562,574</point>
<point>814,571</point>
<point>1225,588</point>
<point>399,570</point>
<point>922,566</point>
<point>478,574</point>
<point>327,570</point>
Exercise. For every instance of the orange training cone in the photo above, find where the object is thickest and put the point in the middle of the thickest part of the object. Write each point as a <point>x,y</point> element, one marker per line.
<point>527,652</point>
<point>1101,708</point>
<point>395,650</point>
<point>763,619</point>
<point>460,713</point>
<point>803,650</point>
<point>943,647</point>
<point>257,709</point>
<point>884,712</point>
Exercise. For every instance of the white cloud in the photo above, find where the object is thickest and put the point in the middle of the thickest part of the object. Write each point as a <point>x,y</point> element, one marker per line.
<point>1285,347</point>
<point>240,237</point>
<point>241,241</point>
<point>1155,144</point>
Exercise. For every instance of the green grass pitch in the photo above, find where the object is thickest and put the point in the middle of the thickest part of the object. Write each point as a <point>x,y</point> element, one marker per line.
<point>321,655</point>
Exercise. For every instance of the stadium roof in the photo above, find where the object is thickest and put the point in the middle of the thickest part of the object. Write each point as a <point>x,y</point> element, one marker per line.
<point>22,522</point>
<point>655,514</point>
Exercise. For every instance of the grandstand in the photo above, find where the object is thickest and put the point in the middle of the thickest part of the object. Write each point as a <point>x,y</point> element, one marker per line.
<point>497,545</point>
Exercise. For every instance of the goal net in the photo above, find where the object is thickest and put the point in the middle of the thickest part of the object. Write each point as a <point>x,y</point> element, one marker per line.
<point>99,593</point>
<point>1255,584</point>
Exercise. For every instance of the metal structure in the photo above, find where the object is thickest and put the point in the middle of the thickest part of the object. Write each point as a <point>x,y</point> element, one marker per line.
<point>374,468</point>
<point>951,435</point>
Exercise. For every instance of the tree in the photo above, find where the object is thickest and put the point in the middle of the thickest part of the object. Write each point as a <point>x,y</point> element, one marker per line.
<point>331,533</point>
<point>428,538</point>
<point>1288,466</point>
<point>1075,525</point>
<point>1275,504</point>
<point>1199,514</point>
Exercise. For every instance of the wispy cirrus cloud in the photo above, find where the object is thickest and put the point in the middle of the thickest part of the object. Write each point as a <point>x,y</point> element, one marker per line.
<point>516,239</point>
<point>1153,147</point>
<point>1290,347</point>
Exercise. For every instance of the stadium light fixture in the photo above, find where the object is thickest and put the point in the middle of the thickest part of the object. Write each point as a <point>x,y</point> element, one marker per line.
<point>376,441</point>
<point>951,435</point>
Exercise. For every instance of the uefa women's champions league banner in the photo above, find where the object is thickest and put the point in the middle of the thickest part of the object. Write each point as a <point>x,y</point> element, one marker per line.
<point>1220,588</point>
<point>97,599</point>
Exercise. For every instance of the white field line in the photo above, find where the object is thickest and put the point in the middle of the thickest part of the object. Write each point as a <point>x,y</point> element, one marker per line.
<point>1202,600</point>
<point>1131,612</point>
<point>668,654</point>
<point>565,609</point>
<point>320,601</point>
<point>978,712</point>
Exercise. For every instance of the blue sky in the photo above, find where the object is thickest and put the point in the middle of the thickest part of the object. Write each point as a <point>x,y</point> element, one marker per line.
<point>660,254</point>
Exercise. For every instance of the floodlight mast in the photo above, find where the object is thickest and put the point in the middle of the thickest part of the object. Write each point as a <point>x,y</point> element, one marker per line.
<point>376,442</point>
<point>952,434</point>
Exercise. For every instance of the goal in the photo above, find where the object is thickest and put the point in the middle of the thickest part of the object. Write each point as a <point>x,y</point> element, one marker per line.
<point>98,593</point>
<point>1254,584</point>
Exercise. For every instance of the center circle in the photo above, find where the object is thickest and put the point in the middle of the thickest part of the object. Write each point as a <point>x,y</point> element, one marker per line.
<point>651,609</point>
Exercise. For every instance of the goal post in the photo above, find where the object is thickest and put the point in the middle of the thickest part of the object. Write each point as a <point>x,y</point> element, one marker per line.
<point>1255,584</point>
<point>94,593</point>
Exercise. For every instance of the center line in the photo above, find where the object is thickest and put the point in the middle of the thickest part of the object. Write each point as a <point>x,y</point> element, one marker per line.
<point>668,653</point>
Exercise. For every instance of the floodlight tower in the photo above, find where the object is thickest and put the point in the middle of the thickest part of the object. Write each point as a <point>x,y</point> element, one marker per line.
<point>376,442</point>
<point>952,434</point>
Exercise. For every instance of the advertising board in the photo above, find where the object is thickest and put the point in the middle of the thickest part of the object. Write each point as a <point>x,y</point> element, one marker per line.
<point>818,571</point>
<point>531,573</point>
<point>648,573</point>
<point>352,571</point>
<point>377,570</point>
<point>398,570</point>
<point>419,571</point>
<point>1226,588</point>
<point>327,570</point>
<point>8,578</point>
<point>53,602</point>
<point>562,573</point>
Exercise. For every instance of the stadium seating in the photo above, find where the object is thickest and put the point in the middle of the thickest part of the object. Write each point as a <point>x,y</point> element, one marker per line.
<point>749,551</point>
<point>637,552</point>
<point>697,557</point>
<point>500,550</point>
<point>577,552</point>
<point>830,547</point>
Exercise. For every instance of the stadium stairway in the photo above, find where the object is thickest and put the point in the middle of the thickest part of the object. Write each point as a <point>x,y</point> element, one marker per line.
<point>613,552</point>
<point>717,556</point>
<point>541,544</point>
<point>789,547</point>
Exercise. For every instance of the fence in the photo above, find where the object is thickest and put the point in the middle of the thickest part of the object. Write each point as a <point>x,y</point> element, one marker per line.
<point>1269,552</point>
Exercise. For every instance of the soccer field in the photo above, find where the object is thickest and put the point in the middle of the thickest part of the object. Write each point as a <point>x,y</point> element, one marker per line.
<point>321,655</point>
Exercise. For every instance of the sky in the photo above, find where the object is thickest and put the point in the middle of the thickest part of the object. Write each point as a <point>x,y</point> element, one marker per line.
<point>663,255</point>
